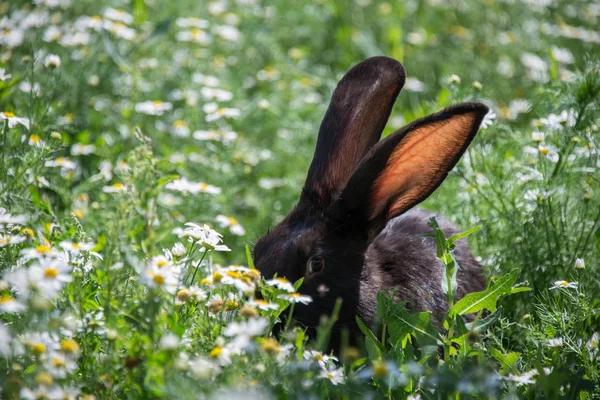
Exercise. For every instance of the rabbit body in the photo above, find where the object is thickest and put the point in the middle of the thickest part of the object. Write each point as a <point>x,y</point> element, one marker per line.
<point>354,231</point>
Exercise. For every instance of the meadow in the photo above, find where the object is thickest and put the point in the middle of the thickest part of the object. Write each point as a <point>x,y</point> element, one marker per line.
<point>145,146</point>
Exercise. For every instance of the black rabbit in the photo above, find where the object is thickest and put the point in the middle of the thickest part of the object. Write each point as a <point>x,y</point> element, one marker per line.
<point>353,233</point>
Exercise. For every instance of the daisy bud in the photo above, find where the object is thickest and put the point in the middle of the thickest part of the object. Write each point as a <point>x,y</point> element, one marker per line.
<point>52,61</point>
<point>580,263</point>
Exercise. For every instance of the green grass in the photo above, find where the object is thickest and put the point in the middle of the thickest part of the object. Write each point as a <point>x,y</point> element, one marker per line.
<point>115,316</point>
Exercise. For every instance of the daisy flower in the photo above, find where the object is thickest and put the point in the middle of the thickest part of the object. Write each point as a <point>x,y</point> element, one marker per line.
<point>64,163</point>
<point>221,136</point>
<point>489,119</point>
<point>231,223</point>
<point>263,305</point>
<point>52,61</point>
<point>39,252</point>
<point>115,188</point>
<point>322,359</point>
<point>295,298</point>
<point>75,248</point>
<point>10,305</point>
<point>13,120</point>
<point>194,36</point>
<point>166,278</point>
<point>281,284</point>
<point>54,275</point>
<point>565,285</point>
<point>3,75</point>
<point>155,107</point>
<point>11,239</point>
<point>335,375</point>
<point>60,365</point>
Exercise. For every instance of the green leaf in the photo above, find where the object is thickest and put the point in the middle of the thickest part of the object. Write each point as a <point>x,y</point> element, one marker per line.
<point>405,324</point>
<point>374,347</point>
<point>482,324</point>
<point>249,257</point>
<point>519,289</point>
<point>487,299</point>
<point>508,361</point>
<point>462,336</point>
<point>458,236</point>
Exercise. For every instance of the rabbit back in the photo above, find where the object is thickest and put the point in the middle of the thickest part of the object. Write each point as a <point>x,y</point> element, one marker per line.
<point>401,259</point>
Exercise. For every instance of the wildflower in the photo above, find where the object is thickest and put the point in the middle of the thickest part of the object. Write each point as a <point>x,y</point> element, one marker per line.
<point>75,248</point>
<point>296,298</point>
<point>155,107</point>
<point>59,365</point>
<point>335,375</point>
<point>537,69</point>
<point>52,61</point>
<point>178,250</point>
<point>169,342</point>
<point>64,163</point>
<point>252,327</point>
<point>213,112</point>
<point>516,107</point>
<point>183,185</point>
<point>323,360</point>
<point>208,238</point>
<point>166,278</point>
<point>554,121</point>
<point>248,312</point>
<point>525,378</point>
<point>115,188</point>
<point>231,223</point>
<point>69,346</point>
<point>5,340</point>
<point>561,55</point>
<point>180,129</point>
<point>13,120</point>
<point>11,306</point>
<point>477,85</point>
<point>39,252</point>
<point>3,75</point>
<point>221,354</point>
<point>39,344</point>
<point>537,136</point>
<point>11,239</point>
<point>228,32</point>
<point>263,305</point>
<point>192,22</point>
<point>194,36</point>
<point>118,15</point>
<point>580,263</point>
<point>414,85</point>
<point>216,94</point>
<point>27,87</point>
<point>488,120</point>
<point>281,284</point>
<point>204,369</point>
<point>454,79</point>
<point>221,136</point>
<point>82,149</point>
<point>36,141</point>
<point>555,342</point>
<point>54,275</point>
<point>565,285</point>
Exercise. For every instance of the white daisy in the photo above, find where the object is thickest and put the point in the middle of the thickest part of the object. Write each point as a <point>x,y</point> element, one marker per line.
<point>13,120</point>
<point>564,285</point>
<point>296,298</point>
<point>229,222</point>
<point>281,283</point>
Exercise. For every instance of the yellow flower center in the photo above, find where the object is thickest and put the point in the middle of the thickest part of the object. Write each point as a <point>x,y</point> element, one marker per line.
<point>161,263</point>
<point>118,186</point>
<point>380,370</point>
<point>205,281</point>
<point>38,348</point>
<point>5,299</point>
<point>234,274</point>
<point>217,277</point>
<point>78,213</point>
<point>58,363</point>
<point>232,220</point>
<point>204,186</point>
<point>183,295</point>
<point>179,123</point>
<point>27,231</point>
<point>157,102</point>
<point>69,346</point>
<point>283,280</point>
<point>50,273</point>
<point>294,294</point>
<point>5,240</point>
<point>216,352</point>
<point>318,357</point>
<point>270,346</point>
<point>544,151</point>
<point>43,249</point>
<point>159,279</point>
<point>34,139</point>
<point>60,160</point>
<point>43,379</point>
<point>96,18</point>
<point>76,246</point>
<point>563,283</point>
<point>8,114</point>
<point>196,32</point>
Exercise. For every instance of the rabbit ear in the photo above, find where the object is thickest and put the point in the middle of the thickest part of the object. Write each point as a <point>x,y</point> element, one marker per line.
<point>406,167</point>
<point>359,109</point>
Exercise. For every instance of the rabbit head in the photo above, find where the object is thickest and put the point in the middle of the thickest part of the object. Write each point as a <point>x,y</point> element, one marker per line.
<point>356,184</point>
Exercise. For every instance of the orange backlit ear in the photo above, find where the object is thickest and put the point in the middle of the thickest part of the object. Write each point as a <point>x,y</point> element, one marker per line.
<point>406,167</point>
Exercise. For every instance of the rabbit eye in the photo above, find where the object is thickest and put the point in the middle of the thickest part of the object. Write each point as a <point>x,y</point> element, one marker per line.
<point>315,265</point>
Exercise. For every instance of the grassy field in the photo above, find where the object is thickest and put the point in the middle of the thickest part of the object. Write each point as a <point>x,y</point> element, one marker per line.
<point>146,145</point>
